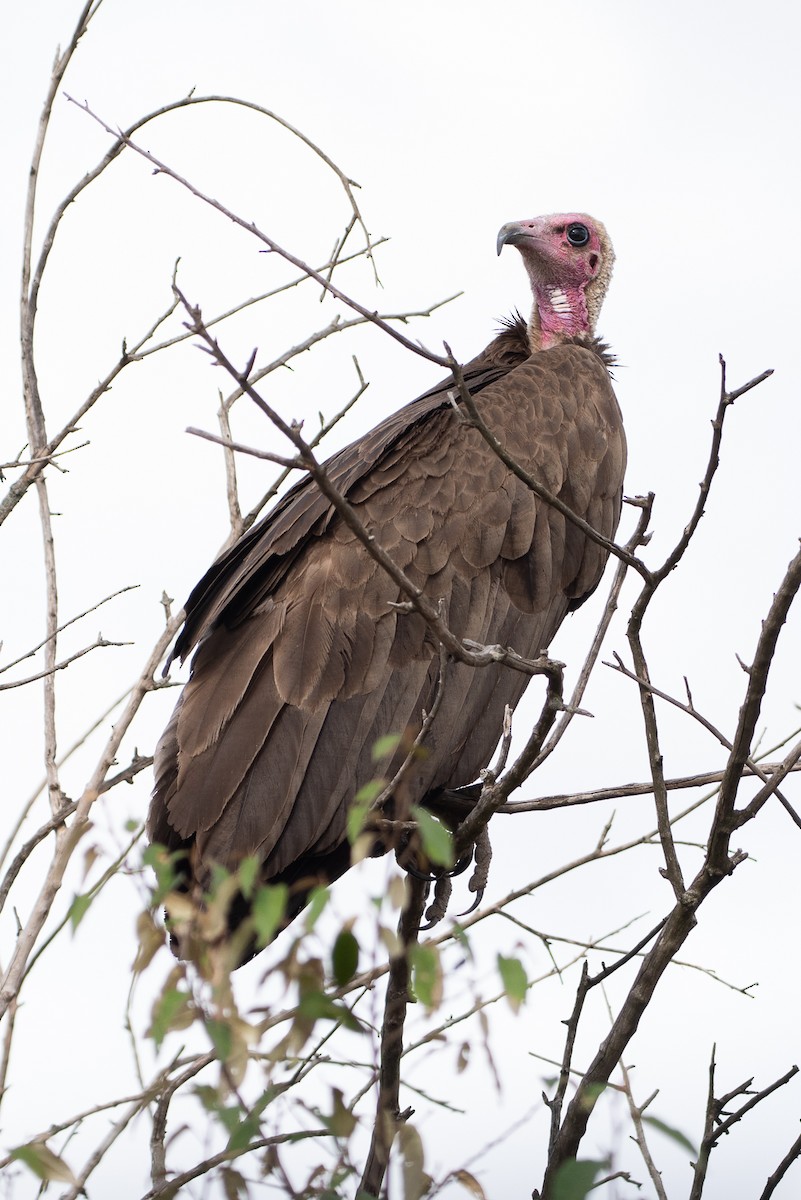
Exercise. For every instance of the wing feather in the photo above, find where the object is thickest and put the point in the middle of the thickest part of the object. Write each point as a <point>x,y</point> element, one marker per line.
<point>303,663</point>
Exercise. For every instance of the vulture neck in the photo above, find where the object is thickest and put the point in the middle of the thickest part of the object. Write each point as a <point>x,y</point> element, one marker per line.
<point>560,314</point>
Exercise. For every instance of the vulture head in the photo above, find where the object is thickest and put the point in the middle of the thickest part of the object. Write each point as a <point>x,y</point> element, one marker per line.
<point>568,257</point>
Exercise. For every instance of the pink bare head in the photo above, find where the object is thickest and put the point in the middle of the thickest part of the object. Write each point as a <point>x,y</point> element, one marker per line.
<point>568,257</point>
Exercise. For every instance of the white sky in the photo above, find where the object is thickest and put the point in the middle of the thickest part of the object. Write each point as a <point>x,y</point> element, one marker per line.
<point>677,125</point>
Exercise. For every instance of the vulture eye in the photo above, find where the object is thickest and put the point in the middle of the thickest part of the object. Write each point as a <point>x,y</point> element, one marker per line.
<point>578,234</point>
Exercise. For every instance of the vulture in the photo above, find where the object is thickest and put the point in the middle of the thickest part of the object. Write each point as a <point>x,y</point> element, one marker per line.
<point>306,656</point>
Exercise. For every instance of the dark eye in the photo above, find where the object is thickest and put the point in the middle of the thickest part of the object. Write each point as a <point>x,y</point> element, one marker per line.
<point>578,234</point>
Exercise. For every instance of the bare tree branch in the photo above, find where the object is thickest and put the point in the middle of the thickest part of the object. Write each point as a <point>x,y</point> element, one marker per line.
<point>388,1115</point>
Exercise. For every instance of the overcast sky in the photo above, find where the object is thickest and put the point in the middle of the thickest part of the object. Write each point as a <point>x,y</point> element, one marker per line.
<point>677,125</point>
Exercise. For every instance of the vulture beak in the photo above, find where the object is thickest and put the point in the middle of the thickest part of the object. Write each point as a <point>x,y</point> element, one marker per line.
<point>512,233</point>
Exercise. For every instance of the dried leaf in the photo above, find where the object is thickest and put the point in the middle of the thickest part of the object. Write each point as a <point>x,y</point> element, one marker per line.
<point>233,1184</point>
<point>463,1058</point>
<point>390,941</point>
<point>415,1181</point>
<point>361,848</point>
<point>470,1182</point>
<point>40,1159</point>
<point>90,857</point>
<point>212,920</point>
<point>396,892</point>
<point>151,939</point>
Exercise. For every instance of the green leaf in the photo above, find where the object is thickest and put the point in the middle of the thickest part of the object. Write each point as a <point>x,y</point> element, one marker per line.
<point>437,840</point>
<point>221,1036</point>
<point>219,877</point>
<point>244,1133</point>
<point>317,1006</point>
<point>671,1132</point>
<point>357,814</point>
<point>371,790</point>
<point>318,899</point>
<point>208,1096</point>
<point>385,746</point>
<point>78,909</point>
<point>269,906</point>
<point>40,1159</point>
<point>513,977</point>
<point>162,863</point>
<point>592,1093</point>
<point>248,870</point>
<point>342,1122</point>
<point>426,974</point>
<point>154,854</point>
<point>172,1010</point>
<point>574,1179</point>
<point>345,957</point>
<point>460,935</point>
<point>230,1117</point>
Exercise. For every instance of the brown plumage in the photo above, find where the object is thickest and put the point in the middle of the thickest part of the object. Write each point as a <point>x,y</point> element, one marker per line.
<point>303,663</point>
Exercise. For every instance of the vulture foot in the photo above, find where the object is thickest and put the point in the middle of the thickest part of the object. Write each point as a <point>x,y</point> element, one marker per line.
<point>439,906</point>
<point>439,872</point>
<point>478,880</point>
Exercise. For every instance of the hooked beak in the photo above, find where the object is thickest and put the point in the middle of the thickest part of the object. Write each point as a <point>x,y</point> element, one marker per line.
<point>512,233</point>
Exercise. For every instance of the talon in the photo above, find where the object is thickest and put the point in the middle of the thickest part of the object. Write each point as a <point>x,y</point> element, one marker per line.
<point>416,873</point>
<point>461,865</point>
<point>438,873</point>
<point>474,905</point>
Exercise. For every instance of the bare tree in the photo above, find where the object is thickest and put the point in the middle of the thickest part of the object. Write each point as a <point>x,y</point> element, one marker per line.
<point>305,1083</point>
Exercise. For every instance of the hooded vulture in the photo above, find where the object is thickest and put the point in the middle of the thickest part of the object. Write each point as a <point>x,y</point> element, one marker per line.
<point>304,659</point>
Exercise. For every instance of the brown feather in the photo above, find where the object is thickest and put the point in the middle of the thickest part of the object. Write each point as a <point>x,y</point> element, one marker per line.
<point>303,663</point>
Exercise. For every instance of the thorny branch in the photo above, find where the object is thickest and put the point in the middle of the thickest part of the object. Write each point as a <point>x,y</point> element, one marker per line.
<point>718,862</point>
<point>673,870</point>
<point>70,819</point>
<point>752,768</point>
<point>717,1123</point>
